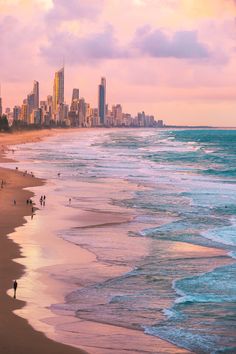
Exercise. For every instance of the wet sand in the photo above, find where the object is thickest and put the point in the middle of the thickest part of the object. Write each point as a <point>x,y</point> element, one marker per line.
<point>16,334</point>
<point>23,137</point>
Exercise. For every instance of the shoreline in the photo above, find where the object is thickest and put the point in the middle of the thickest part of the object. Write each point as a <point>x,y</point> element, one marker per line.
<point>30,331</point>
<point>16,334</point>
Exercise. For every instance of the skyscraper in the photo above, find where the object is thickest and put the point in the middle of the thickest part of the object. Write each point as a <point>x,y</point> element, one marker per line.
<point>30,102</point>
<point>75,94</point>
<point>16,112</point>
<point>36,94</point>
<point>102,101</point>
<point>75,100</point>
<point>50,106</point>
<point>24,113</point>
<point>58,90</point>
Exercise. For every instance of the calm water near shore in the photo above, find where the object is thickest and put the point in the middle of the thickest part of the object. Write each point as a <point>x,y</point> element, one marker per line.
<point>155,214</point>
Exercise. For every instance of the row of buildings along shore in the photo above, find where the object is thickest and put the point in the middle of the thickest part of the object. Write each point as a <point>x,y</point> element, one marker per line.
<point>55,112</point>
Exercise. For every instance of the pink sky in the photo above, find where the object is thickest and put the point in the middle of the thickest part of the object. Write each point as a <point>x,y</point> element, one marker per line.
<point>175,59</point>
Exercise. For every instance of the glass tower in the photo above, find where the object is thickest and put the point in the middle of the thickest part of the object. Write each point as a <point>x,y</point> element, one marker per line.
<point>58,90</point>
<point>102,101</point>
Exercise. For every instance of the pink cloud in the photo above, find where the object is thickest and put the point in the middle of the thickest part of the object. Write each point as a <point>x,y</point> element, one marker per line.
<point>64,10</point>
<point>83,50</point>
<point>18,48</point>
<point>180,44</point>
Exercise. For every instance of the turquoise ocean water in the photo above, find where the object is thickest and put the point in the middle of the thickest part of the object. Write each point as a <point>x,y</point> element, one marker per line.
<point>190,181</point>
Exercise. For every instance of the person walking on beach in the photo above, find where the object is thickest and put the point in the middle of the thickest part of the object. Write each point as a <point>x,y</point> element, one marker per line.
<point>15,287</point>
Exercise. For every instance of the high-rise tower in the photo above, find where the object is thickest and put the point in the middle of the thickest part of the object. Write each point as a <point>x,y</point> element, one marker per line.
<point>74,100</point>
<point>102,101</point>
<point>36,94</point>
<point>75,94</point>
<point>58,90</point>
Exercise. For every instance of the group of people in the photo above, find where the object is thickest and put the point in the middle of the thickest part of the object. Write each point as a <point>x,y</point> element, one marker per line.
<point>26,172</point>
<point>29,201</point>
<point>42,200</point>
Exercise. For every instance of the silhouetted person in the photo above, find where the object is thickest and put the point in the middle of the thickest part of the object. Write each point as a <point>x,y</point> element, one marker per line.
<point>15,287</point>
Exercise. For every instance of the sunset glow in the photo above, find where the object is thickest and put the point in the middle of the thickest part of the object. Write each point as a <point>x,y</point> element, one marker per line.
<point>173,58</point>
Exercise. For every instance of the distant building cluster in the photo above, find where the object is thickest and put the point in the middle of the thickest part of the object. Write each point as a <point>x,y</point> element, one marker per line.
<point>55,112</point>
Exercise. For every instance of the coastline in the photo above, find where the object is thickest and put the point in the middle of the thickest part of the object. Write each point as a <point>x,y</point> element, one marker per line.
<point>13,321</point>
<point>16,334</point>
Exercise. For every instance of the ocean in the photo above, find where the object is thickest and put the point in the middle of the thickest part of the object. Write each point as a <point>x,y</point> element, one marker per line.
<point>162,237</point>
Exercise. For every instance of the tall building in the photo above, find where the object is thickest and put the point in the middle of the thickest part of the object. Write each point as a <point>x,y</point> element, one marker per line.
<point>0,103</point>
<point>117,115</point>
<point>50,105</point>
<point>102,101</point>
<point>30,102</point>
<point>82,112</point>
<point>16,112</point>
<point>36,94</point>
<point>58,90</point>
<point>75,100</point>
<point>75,94</point>
<point>36,116</point>
<point>24,113</point>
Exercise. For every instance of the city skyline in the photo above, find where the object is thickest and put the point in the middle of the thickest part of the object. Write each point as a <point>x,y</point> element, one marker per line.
<point>55,111</point>
<point>176,59</point>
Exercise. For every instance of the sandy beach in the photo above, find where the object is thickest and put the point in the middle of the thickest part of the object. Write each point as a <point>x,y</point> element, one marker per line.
<point>16,335</point>
<point>26,338</point>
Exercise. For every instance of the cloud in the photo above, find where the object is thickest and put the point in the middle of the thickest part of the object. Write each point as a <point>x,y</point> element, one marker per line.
<point>181,45</point>
<point>103,45</point>
<point>87,49</point>
<point>64,10</point>
<point>18,48</point>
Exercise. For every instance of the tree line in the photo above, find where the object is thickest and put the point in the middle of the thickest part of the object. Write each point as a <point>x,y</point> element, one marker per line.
<point>4,125</point>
